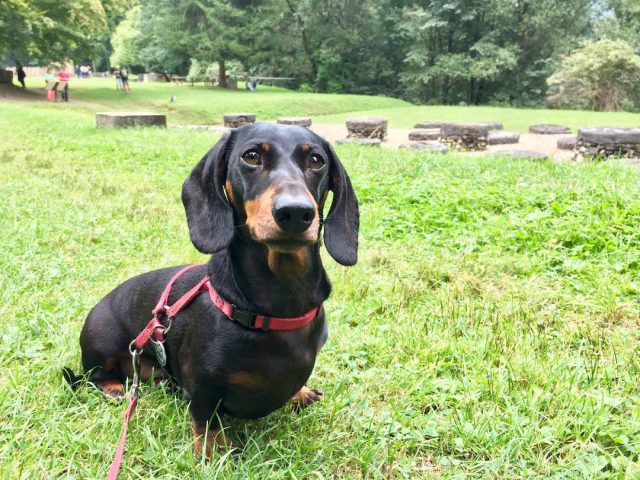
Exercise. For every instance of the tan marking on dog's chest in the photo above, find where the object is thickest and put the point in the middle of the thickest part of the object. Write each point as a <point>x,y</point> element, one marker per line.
<point>246,380</point>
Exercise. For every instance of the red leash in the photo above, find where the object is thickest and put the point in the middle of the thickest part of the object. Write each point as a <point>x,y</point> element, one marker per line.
<point>155,332</point>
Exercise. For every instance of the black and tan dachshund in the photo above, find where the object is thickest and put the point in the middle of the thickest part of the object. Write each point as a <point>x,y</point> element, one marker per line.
<point>255,203</point>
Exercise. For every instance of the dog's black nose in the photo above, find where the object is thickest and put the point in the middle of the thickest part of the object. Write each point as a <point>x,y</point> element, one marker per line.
<point>293,214</point>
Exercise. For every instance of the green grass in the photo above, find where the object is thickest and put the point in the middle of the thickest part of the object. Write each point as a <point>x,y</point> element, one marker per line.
<point>206,105</point>
<point>490,329</point>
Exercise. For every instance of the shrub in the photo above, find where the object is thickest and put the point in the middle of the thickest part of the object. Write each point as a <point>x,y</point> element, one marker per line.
<point>600,75</point>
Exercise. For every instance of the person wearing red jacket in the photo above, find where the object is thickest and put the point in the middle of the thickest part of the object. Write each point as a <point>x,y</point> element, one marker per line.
<point>64,77</point>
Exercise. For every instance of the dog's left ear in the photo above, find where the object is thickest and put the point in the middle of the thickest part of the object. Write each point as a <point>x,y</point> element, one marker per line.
<point>342,223</point>
<point>209,214</point>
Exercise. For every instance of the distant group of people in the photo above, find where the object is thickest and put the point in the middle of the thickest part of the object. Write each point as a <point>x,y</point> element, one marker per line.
<point>83,71</point>
<point>122,79</point>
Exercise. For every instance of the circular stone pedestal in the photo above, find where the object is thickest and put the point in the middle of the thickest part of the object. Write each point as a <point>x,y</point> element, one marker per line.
<point>235,120</point>
<point>300,121</point>
<point>371,127</point>
<point>466,136</point>
<point>503,138</point>
<point>428,125</point>
<point>609,141</point>
<point>130,119</point>
<point>423,135</point>
<point>549,129</point>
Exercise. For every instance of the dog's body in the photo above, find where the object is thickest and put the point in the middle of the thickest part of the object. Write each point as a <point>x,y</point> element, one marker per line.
<point>255,202</point>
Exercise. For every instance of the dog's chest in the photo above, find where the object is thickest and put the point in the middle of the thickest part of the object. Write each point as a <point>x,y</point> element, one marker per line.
<point>263,382</point>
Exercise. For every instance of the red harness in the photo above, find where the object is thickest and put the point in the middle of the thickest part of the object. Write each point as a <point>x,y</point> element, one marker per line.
<point>155,332</point>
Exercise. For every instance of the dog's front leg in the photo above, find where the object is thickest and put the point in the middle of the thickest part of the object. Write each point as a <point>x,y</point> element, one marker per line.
<point>205,422</point>
<point>207,437</point>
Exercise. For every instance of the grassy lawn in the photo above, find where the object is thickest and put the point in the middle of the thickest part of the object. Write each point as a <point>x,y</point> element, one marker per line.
<point>490,329</point>
<point>206,105</point>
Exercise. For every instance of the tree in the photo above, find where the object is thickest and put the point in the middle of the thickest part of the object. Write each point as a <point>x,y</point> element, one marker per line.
<point>476,51</point>
<point>167,34</point>
<point>50,30</point>
<point>600,75</point>
<point>126,40</point>
<point>619,20</point>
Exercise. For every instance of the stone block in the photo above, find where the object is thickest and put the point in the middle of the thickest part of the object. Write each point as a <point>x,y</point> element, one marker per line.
<point>425,134</point>
<point>235,120</point>
<point>130,119</point>
<point>503,138</point>
<point>371,127</point>
<point>568,143</point>
<point>300,121</point>
<point>610,135</point>
<point>428,125</point>
<point>549,129</point>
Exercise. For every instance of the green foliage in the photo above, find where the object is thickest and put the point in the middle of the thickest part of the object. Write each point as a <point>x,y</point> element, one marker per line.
<point>127,40</point>
<point>478,52</point>
<point>474,52</point>
<point>488,331</point>
<point>601,76</point>
<point>48,30</point>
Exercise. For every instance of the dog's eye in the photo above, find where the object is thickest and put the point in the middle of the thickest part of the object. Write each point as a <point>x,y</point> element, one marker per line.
<point>252,157</point>
<point>316,162</point>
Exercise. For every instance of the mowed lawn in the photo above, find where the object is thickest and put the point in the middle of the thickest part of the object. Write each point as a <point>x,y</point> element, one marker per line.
<point>205,105</point>
<point>490,329</point>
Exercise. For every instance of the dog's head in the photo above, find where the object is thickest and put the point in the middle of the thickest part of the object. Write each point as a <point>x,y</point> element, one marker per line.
<point>275,180</point>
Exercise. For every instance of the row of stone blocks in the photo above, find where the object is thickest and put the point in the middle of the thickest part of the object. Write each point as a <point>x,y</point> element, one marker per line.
<point>141,119</point>
<point>235,120</point>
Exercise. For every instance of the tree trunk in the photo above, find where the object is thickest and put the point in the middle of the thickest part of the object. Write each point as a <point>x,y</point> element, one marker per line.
<point>306,45</point>
<point>222,74</point>
<point>445,90</point>
<point>472,91</point>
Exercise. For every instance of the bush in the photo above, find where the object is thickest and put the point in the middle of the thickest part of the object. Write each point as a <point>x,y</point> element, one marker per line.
<point>602,76</point>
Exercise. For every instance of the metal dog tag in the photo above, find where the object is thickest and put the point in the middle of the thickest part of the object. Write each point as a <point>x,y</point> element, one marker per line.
<point>161,354</point>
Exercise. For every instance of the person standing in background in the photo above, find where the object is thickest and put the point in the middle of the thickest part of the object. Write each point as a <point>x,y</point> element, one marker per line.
<point>64,77</point>
<point>20,73</point>
<point>116,73</point>
<point>124,76</point>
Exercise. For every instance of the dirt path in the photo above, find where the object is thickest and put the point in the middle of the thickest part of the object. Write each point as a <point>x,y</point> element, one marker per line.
<point>547,144</point>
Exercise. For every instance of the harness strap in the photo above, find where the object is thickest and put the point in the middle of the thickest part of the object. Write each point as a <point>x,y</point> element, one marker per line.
<point>164,298</point>
<point>156,330</point>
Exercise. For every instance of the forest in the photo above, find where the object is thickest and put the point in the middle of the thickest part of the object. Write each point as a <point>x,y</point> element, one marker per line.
<point>522,53</point>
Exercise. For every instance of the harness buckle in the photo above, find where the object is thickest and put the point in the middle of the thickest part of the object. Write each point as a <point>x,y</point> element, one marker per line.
<point>243,317</point>
<point>135,362</point>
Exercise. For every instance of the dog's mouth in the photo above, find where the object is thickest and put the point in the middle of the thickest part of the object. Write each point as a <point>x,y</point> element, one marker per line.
<point>287,245</point>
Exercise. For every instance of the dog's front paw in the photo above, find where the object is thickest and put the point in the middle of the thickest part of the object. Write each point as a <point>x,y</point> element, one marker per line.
<point>305,397</point>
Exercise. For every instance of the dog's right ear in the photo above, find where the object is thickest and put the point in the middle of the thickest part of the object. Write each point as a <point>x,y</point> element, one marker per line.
<point>209,214</point>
